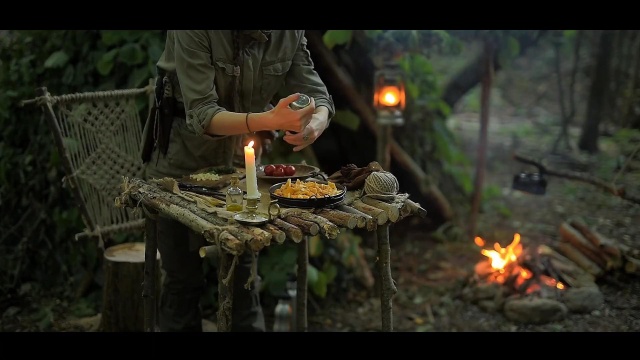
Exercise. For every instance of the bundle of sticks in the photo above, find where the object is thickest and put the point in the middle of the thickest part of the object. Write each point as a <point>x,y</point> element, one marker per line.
<point>595,253</point>
<point>352,176</point>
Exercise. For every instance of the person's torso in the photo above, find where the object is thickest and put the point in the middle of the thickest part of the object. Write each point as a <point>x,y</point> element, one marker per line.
<point>263,70</point>
<point>264,66</point>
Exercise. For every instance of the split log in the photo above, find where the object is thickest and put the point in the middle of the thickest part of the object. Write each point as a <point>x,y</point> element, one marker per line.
<point>608,247</point>
<point>580,259</point>
<point>326,227</point>
<point>122,302</point>
<point>631,265</point>
<point>293,232</point>
<point>379,215</point>
<point>364,220</point>
<point>339,218</point>
<point>393,212</point>
<point>572,236</point>
<point>307,227</point>
<point>569,272</point>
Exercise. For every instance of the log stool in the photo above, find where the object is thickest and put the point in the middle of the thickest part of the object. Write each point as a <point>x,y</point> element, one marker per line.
<point>122,301</point>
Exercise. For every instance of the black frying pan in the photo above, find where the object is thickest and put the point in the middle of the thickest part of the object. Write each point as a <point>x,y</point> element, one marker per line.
<point>311,203</point>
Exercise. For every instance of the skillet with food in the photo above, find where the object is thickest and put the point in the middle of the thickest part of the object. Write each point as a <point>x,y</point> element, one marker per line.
<point>307,194</point>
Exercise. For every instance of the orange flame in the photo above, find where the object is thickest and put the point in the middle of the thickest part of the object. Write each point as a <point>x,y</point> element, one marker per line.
<point>502,257</point>
<point>250,144</point>
<point>505,258</point>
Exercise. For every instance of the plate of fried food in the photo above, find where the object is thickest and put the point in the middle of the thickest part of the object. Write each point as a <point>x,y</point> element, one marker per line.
<point>307,194</point>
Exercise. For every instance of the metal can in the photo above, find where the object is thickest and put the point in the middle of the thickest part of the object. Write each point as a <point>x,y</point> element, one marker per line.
<point>302,102</point>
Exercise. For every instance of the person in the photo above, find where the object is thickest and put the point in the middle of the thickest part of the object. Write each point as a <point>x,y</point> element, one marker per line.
<point>216,87</point>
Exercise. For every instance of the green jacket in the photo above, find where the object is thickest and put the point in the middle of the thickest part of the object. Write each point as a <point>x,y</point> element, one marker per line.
<point>200,65</point>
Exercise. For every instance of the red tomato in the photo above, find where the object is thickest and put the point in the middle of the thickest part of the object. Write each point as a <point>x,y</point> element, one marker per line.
<point>269,169</point>
<point>289,170</point>
<point>279,166</point>
<point>278,171</point>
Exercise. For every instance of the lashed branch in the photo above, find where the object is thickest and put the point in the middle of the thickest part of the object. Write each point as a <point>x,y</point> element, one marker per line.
<point>327,228</point>
<point>173,207</point>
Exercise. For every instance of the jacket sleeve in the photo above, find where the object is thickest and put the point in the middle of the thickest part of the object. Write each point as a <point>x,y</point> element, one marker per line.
<point>303,78</point>
<point>196,75</point>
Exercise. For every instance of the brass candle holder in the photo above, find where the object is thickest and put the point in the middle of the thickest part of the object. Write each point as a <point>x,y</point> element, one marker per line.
<point>250,214</point>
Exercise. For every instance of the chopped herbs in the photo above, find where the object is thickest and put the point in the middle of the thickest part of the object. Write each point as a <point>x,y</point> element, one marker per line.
<point>221,170</point>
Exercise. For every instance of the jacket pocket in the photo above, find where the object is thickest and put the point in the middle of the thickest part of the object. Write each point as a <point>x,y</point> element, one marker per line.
<point>224,76</point>
<point>190,152</point>
<point>273,78</point>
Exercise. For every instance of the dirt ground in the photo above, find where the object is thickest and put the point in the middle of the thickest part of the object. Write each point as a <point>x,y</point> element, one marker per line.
<point>432,272</point>
<point>432,269</point>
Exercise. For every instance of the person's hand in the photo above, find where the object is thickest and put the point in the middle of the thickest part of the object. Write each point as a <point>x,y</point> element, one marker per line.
<point>292,120</point>
<point>308,135</point>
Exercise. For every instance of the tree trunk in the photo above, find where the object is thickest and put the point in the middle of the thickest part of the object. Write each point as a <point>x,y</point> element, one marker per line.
<point>597,95</point>
<point>123,304</point>
<point>471,75</point>
<point>485,94</point>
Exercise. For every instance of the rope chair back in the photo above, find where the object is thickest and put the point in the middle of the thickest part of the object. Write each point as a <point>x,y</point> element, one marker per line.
<point>99,136</point>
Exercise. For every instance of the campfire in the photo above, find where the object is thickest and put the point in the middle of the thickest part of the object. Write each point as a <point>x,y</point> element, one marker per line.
<point>508,266</point>
<point>543,283</point>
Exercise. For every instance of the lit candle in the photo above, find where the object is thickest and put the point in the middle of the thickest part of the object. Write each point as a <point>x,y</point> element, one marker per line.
<point>250,167</point>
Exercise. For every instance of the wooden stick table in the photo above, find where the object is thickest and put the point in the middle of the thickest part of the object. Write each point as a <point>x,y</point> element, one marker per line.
<point>231,239</point>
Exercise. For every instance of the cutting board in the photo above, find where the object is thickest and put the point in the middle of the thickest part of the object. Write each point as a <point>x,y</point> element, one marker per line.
<point>223,181</point>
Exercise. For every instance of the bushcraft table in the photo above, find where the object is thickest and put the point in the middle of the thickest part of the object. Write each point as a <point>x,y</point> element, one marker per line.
<point>229,239</point>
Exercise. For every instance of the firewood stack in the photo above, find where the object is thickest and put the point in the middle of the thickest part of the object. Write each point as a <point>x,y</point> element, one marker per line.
<point>595,253</point>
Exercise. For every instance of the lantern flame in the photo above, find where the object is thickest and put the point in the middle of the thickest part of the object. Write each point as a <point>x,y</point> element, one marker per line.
<point>390,96</point>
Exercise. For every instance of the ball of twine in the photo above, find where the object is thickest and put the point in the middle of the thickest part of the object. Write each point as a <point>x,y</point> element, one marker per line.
<point>381,183</point>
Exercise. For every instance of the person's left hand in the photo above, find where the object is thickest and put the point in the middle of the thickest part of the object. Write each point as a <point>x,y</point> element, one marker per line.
<point>308,135</point>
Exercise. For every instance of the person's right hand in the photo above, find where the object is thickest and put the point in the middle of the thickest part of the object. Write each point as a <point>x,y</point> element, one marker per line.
<point>292,120</point>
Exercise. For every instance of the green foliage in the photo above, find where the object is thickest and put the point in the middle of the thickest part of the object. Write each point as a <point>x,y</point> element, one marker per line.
<point>275,266</point>
<point>454,160</point>
<point>337,37</point>
<point>37,244</point>
<point>347,118</point>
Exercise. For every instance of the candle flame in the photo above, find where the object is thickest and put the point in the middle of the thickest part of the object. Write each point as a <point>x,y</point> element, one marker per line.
<point>250,144</point>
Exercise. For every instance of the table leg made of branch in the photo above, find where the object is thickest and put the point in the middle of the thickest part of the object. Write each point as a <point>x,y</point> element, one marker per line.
<point>229,239</point>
